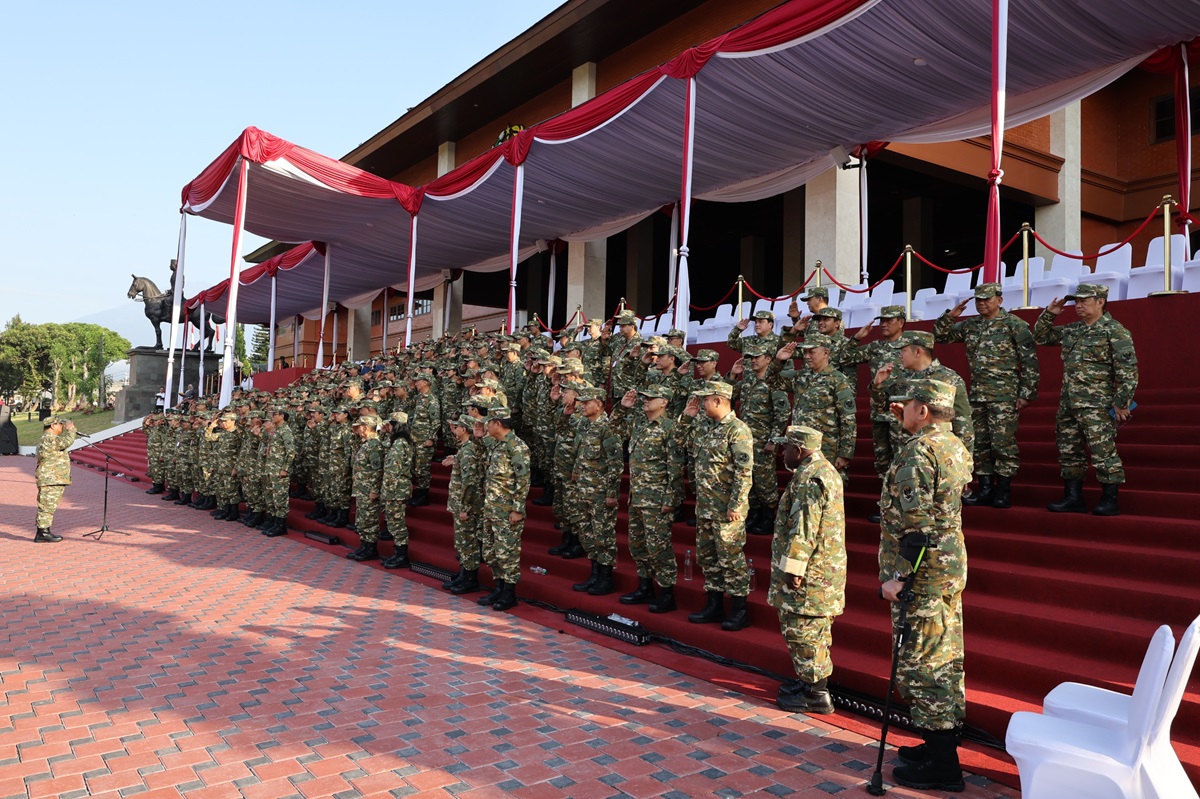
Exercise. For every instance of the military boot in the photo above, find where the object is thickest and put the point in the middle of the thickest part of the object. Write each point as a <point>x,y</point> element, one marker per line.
<point>1002,492</point>
<point>491,596</point>
<point>419,499</point>
<point>365,551</point>
<point>808,699</point>
<point>209,501</point>
<point>939,770</point>
<point>739,615</point>
<point>643,595</point>
<point>171,495</point>
<point>713,610</point>
<point>1072,501</point>
<point>231,513</point>
<point>446,584</point>
<point>590,581</point>
<point>766,521</point>
<point>157,488</point>
<point>547,497</point>
<point>399,558</point>
<point>385,534</point>
<point>564,546</point>
<point>343,516</point>
<point>507,598</point>
<point>1108,501</point>
<point>221,513</point>
<point>604,581</point>
<point>468,583</point>
<point>536,480</point>
<point>912,755</point>
<point>330,515</point>
<point>265,522</point>
<point>665,602</point>
<point>183,499</point>
<point>317,512</point>
<point>575,551</point>
<point>984,495</point>
<point>251,519</point>
<point>277,528</point>
<point>44,536</point>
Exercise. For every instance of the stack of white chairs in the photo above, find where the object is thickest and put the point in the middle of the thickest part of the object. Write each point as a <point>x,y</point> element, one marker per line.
<point>1091,743</point>
<point>1064,275</point>
<point>1190,281</point>
<point>1150,277</point>
<point>693,332</point>
<point>717,328</point>
<point>1112,270</point>
<point>920,302</point>
<point>956,284</point>
<point>1014,284</point>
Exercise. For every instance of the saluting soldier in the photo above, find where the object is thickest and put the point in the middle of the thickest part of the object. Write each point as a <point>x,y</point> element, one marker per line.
<point>248,472</point>
<point>423,421</point>
<point>596,475</point>
<point>227,443</point>
<point>1100,376</point>
<point>397,488</point>
<point>506,489</point>
<point>762,404</point>
<point>917,363</point>
<point>52,474</point>
<point>824,400</point>
<point>464,502</point>
<point>623,348</point>
<point>764,332</point>
<point>1003,360</point>
<point>877,354</point>
<point>808,568</point>
<point>367,475</point>
<point>336,460</point>
<point>277,470</point>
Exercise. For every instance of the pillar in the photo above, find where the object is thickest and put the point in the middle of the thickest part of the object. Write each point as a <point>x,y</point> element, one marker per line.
<point>445,320</point>
<point>831,207</point>
<point>587,262</point>
<point>358,334</point>
<point>794,267</point>
<point>639,268</point>
<point>1058,223</point>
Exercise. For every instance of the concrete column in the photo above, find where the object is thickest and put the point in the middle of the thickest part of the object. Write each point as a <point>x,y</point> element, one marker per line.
<point>451,293</point>
<point>795,269</point>
<point>587,262</point>
<point>1059,222</point>
<point>831,206</point>
<point>639,268</point>
<point>358,337</point>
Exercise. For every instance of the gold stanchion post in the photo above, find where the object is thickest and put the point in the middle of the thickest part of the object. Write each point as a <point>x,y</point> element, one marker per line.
<point>741,281</point>
<point>1025,231</point>
<point>621,305</point>
<point>818,268</point>
<point>908,251</point>
<point>1167,202</point>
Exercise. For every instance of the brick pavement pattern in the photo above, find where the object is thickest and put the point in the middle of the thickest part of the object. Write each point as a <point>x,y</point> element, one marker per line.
<point>194,659</point>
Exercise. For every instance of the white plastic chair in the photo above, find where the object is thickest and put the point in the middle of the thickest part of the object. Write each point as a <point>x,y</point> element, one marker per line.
<point>1143,280</point>
<point>860,315</point>
<point>1059,758</point>
<point>884,291</point>
<point>852,299</point>
<point>1112,270</point>
<point>693,331</point>
<point>763,305</point>
<point>1191,276</point>
<point>1064,275</point>
<point>920,302</point>
<point>1037,268</point>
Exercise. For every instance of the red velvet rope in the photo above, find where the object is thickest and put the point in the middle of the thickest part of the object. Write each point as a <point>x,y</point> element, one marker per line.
<point>1102,253</point>
<point>717,303</point>
<point>869,288</point>
<point>975,268</point>
<point>799,289</point>
<point>660,313</point>
<point>553,332</point>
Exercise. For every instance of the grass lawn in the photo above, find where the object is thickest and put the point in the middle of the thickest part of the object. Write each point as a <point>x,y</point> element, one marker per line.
<point>30,431</point>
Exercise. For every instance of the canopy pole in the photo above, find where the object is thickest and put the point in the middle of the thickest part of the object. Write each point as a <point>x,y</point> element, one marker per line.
<point>271,335</point>
<point>514,244</point>
<point>991,254</point>
<point>183,352</point>
<point>333,348</point>
<point>553,279</point>
<point>863,239</point>
<point>1183,138</point>
<point>412,279</point>
<point>384,316</point>
<point>239,219</point>
<point>683,287</point>
<point>297,327</point>
<point>200,351</point>
<point>176,302</point>
<point>673,260</point>
<point>324,308</point>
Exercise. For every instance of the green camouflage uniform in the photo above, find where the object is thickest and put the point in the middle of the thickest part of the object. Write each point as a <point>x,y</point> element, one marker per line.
<point>596,360</point>
<point>737,343</point>
<point>154,445</point>
<point>568,506</point>
<point>423,423</point>
<point>248,470</point>
<point>367,474</point>
<point>810,542</point>
<point>465,496</point>
<point>53,473</point>
<point>314,437</point>
<point>278,456</point>
<point>764,409</point>
<point>506,487</point>
<point>722,468</point>
<point>225,454</point>
<point>655,483</point>
<point>596,472</point>
<point>825,401</point>
<point>450,401</point>
<point>961,425</point>
<point>624,374</point>
<point>335,461</point>
<point>1100,372</point>
<point>397,488</point>
<point>1004,368</point>
<point>884,432</point>
<point>923,492</point>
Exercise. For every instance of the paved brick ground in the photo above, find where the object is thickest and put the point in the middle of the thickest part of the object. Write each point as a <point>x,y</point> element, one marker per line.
<point>194,659</point>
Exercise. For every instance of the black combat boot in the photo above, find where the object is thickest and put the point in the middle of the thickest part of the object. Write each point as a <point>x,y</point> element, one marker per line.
<point>808,699</point>
<point>265,522</point>
<point>739,615</point>
<point>446,584</point>
<point>507,598</point>
<point>491,596</point>
<point>365,551</point>
<point>208,502</point>
<point>984,495</point>
<point>642,596</point>
<point>604,582</point>
<point>419,499</point>
<point>564,546</point>
<point>385,534</point>
<point>231,513</point>
<point>330,514</point>
<point>575,551</point>
<point>713,610</point>
<point>1002,492</point>
<point>678,517</point>
<point>277,528</point>
<point>468,583</point>
<point>343,516</point>
<point>221,513</point>
<point>536,480</point>
<point>157,488</point>
<point>766,522</point>
<point>547,497</point>
<point>912,755</point>
<point>1108,501</point>
<point>44,536</point>
<point>317,512</point>
<point>171,495</point>
<point>252,518</point>
<point>399,558</point>
<point>665,602</point>
<point>1072,501</point>
<point>184,499</point>
<point>939,770</point>
<point>590,581</point>
<point>793,688</point>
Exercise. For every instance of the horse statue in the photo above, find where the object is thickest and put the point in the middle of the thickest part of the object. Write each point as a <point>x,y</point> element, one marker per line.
<point>158,310</point>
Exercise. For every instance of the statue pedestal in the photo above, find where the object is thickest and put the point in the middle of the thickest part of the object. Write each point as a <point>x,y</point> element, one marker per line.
<point>148,375</point>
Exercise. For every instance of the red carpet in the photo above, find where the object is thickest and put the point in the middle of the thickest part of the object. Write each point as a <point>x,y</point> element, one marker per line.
<point>1050,597</point>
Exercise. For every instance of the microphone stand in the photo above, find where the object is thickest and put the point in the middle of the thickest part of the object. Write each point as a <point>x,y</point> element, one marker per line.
<point>98,534</point>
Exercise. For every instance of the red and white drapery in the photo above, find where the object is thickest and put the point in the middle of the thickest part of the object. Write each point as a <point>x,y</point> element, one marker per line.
<point>1177,60</point>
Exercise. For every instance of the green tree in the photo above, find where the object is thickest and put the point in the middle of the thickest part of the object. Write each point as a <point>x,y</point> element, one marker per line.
<point>68,359</point>
<point>239,344</point>
<point>260,344</point>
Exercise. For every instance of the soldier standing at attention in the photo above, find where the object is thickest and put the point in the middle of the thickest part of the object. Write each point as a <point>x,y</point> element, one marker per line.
<point>599,462</point>
<point>367,473</point>
<point>878,354</point>
<point>53,473</point>
<point>465,504</point>
<point>763,405</point>
<point>423,423</point>
<point>1100,376</point>
<point>277,471</point>
<point>1004,379</point>
<point>152,426</point>
<point>506,488</point>
<point>336,460</point>
<point>225,453</point>
<point>923,494</point>
<point>625,361</point>
<point>396,487</point>
<point>723,457</point>
<point>808,568</point>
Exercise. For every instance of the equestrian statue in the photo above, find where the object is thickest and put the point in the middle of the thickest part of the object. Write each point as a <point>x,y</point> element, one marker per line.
<point>158,309</point>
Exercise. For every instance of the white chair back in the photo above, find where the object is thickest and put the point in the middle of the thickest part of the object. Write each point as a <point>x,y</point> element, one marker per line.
<point>1179,253</point>
<point>763,305</point>
<point>1177,678</point>
<point>884,290</point>
<point>1062,267</point>
<point>1037,265</point>
<point>1148,690</point>
<point>957,283</point>
<point>1118,261</point>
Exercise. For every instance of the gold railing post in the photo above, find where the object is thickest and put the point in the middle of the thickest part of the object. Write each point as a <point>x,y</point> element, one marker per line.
<point>740,281</point>
<point>1025,231</point>
<point>621,305</point>
<point>1167,203</point>
<point>908,252</point>
<point>818,267</point>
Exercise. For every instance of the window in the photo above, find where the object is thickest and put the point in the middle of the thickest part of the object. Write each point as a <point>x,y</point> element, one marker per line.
<point>1162,117</point>
<point>395,313</point>
<point>376,318</point>
<point>420,308</point>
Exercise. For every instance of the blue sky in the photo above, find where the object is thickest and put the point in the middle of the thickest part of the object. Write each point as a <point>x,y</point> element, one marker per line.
<point>110,109</point>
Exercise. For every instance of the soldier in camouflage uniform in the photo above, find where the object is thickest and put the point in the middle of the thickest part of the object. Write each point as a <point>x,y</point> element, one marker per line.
<point>367,476</point>
<point>506,488</point>
<point>1100,376</point>
<point>808,568</point>
<point>314,433</point>
<point>595,356</point>
<point>336,464</point>
<point>923,494</point>
<point>248,472</point>
<point>622,350</point>
<point>397,488</point>
<point>227,441</point>
<point>152,427</point>
<point>277,470</point>
<point>596,473</point>
<point>464,502</point>
<point>762,404</point>
<point>1004,379</point>
<point>655,489</point>
<point>512,379</point>
<point>824,400</point>
<point>52,474</point>
<point>189,473</point>
<point>545,424</point>
<point>876,355</point>
<point>764,333</point>
<point>423,422</point>
<point>722,451</point>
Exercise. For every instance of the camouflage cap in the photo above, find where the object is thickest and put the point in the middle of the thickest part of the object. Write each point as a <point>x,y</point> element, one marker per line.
<point>711,387</point>
<point>655,391</point>
<point>676,333</point>
<point>892,312</point>
<point>919,337</point>
<point>491,383</point>
<point>817,291</point>
<point>829,313</point>
<point>766,315</point>
<point>511,347</point>
<point>930,392</point>
<point>571,366</point>
<point>485,403</point>
<point>816,340</point>
<point>985,291</point>
<point>258,416</point>
<point>587,393</point>
<point>399,417</point>
<point>800,436</point>
<point>366,420</point>
<point>49,420</point>
<point>706,355</point>
<point>626,318</point>
<point>1085,290</point>
<point>572,346</point>
<point>499,412</point>
<point>464,420</point>
<point>340,409</point>
<point>552,360</point>
<point>228,417</point>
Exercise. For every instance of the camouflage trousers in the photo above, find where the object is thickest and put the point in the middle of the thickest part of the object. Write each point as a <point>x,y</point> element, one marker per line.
<point>720,552</point>
<point>395,513</point>
<point>47,503</point>
<point>154,467</point>
<point>995,448</point>
<point>930,673</point>
<point>468,541</point>
<point>422,456</point>
<point>502,547</point>
<point>597,527</point>
<point>650,543</point>
<point>366,518</point>
<point>764,492</point>
<point>885,444</point>
<point>808,640</point>
<point>225,486</point>
<point>275,495</point>
<point>336,488</point>
<point>251,487</point>
<point>1095,428</point>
